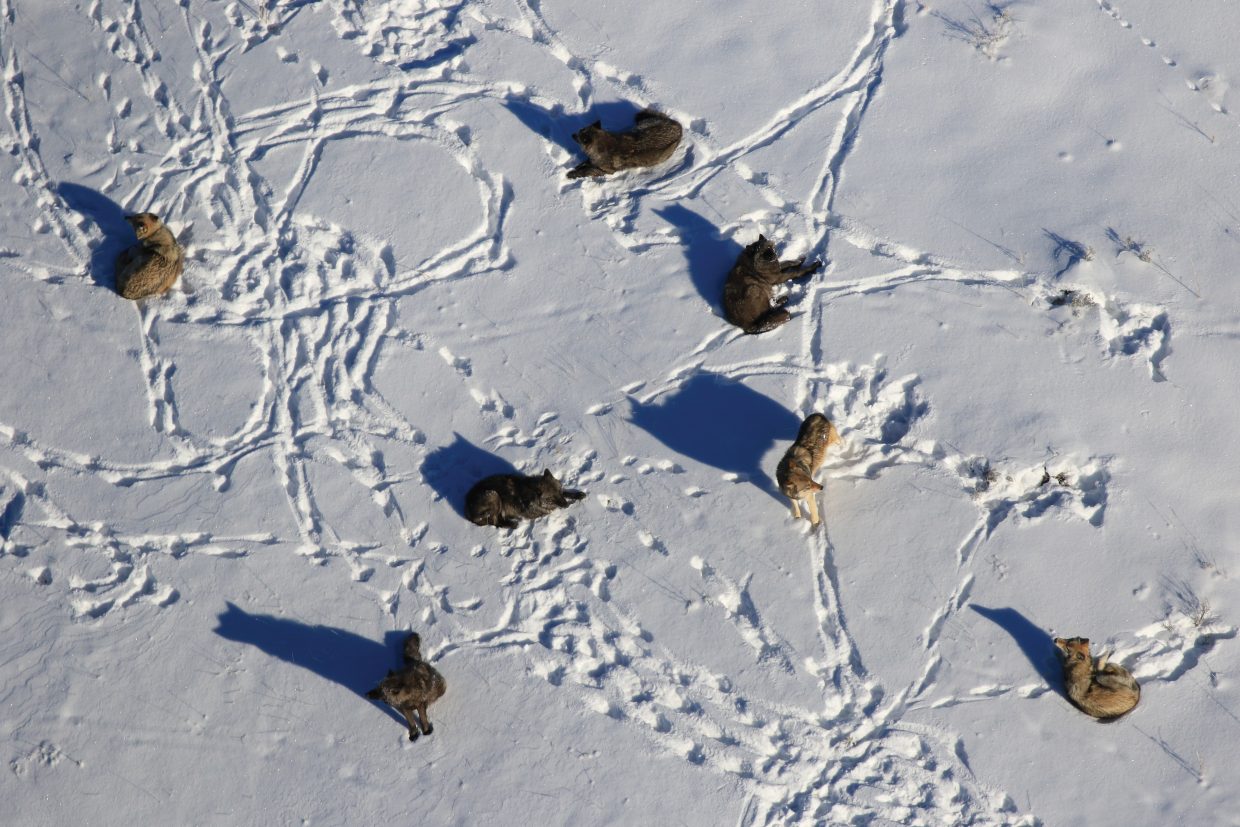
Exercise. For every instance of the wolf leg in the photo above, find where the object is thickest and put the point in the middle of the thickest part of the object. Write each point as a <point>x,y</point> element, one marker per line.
<point>812,499</point>
<point>796,508</point>
<point>586,170</point>
<point>792,270</point>
<point>407,711</point>
<point>425,722</point>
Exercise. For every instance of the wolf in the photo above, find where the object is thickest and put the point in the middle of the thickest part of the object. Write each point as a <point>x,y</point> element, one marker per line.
<point>150,267</point>
<point>413,688</point>
<point>651,141</point>
<point>795,473</point>
<point>1105,690</point>
<point>747,292</point>
<point>501,499</point>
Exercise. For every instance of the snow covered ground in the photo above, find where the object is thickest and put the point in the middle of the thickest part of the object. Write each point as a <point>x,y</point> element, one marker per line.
<point>222,511</point>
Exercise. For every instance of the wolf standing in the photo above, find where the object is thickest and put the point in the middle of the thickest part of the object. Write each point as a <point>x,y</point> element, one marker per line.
<point>795,474</point>
<point>412,689</point>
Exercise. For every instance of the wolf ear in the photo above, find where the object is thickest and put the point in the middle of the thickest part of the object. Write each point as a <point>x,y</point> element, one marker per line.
<point>761,238</point>
<point>597,124</point>
<point>548,476</point>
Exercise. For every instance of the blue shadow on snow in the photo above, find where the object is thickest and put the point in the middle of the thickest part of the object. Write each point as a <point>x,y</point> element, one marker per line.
<point>354,662</point>
<point>558,127</point>
<point>1036,644</point>
<point>110,218</point>
<point>722,423</point>
<point>710,256</point>
<point>453,469</point>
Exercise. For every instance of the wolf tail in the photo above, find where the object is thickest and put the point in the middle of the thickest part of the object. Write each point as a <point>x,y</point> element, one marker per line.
<point>769,320</point>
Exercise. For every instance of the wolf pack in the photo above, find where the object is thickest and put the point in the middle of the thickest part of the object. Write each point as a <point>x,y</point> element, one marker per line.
<point>149,268</point>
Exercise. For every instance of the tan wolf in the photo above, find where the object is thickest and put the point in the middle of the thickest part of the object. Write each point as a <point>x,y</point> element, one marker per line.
<point>651,141</point>
<point>750,285</point>
<point>501,499</point>
<point>1103,690</point>
<point>412,689</point>
<point>151,266</point>
<point>795,474</point>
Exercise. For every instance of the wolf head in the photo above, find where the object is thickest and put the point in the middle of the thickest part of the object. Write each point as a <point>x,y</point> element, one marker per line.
<point>815,426</point>
<point>413,647</point>
<point>762,252</point>
<point>552,490</point>
<point>588,135</point>
<point>144,224</point>
<point>1073,649</point>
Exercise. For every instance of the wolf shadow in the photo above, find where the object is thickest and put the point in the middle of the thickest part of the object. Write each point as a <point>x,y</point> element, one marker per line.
<point>558,127</point>
<point>340,656</point>
<point>709,255</point>
<point>109,217</point>
<point>1036,644</point>
<point>720,422</point>
<point>453,469</point>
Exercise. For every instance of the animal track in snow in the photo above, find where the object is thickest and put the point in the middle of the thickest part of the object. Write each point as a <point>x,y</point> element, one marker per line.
<point>1138,329</point>
<point>1165,650</point>
<point>1214,88</point>
<point>317,300</point>
<point>734,598</point>
<point>1127,329</point>
<point>1027,494</point>
<point>405,34</point>
<point>43,755</point>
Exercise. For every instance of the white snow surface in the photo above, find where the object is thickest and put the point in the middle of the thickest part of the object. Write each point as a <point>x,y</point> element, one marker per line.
<point>223,509</point>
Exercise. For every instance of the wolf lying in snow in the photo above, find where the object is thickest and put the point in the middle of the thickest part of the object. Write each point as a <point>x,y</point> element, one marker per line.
<point>748,290</point>
<point>1103,690</point>
<point>502,499</point>
<point>651,141</point>
<point>151,266</point>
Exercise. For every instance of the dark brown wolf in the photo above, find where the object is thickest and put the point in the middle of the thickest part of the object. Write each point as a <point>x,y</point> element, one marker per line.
<point>750,285</point>
<point>1103,690</point>
<point>502,499</point>
<point>651,141</point>
<point>412,689</point>
<point>795,474</point>
<point>151,266</point>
